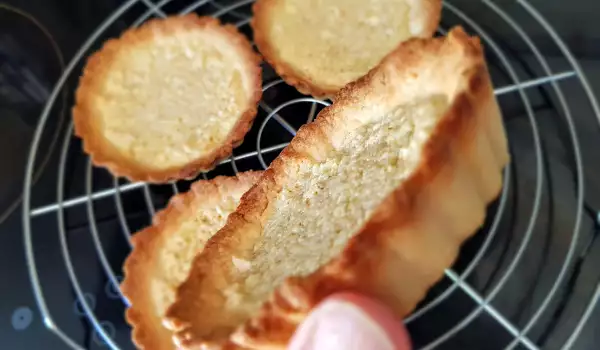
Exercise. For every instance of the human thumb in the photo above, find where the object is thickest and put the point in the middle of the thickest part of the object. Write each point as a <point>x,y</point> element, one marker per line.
<point>350,322</point>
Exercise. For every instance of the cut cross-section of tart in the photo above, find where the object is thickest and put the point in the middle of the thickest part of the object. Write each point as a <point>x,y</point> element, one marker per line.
<point>374,197</point>
<point>162,253</point>
<point>320,46</point>
<point>168,99</point>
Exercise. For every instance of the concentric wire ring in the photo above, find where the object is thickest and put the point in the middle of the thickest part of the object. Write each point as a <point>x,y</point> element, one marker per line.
<point>485,302</point>
<point>578,164</point>
<point>273,115</point>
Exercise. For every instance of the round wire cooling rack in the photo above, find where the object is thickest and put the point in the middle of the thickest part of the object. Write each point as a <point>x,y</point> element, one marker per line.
<point>526,280</point>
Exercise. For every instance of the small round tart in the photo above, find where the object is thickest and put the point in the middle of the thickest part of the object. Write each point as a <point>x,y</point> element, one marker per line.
<point>319,46</point>
<point>168,99</point>
<point>163,252</point>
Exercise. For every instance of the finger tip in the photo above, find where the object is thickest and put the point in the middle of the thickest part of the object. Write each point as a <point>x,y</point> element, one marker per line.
<point>381,315</point>
<point>350,321</point>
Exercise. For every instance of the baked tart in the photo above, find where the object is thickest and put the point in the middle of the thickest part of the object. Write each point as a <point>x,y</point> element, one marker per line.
<point>320,46</point>
<point>168,99</point>
<point>374,197</point>
<point>162,253</point>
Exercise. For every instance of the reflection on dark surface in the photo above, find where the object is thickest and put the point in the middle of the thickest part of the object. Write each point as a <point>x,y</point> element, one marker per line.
<point>30,62</point>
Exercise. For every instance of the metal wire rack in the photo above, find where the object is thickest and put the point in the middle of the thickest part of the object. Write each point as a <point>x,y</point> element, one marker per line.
<point>541,316</point>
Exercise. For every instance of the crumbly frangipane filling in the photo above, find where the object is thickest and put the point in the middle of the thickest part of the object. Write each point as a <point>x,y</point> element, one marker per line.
<point>185,239</point>
<point>171,103</point>
<point>323,204</point>
<point>333,53</point>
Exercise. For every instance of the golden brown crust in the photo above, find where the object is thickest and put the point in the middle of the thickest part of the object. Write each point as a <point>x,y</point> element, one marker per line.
<point>260,22</point>
<point>140,265</point>
<point>262,10</point>
<point>106,155</point>
<point>432,12</point>
<point>412,236</point>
